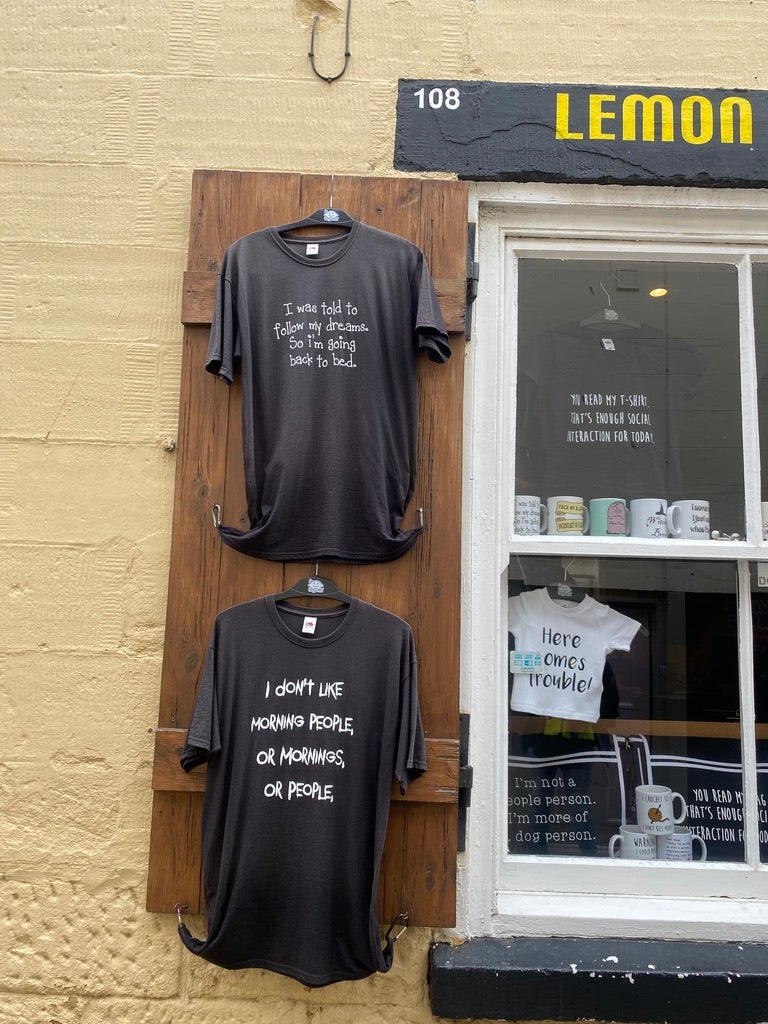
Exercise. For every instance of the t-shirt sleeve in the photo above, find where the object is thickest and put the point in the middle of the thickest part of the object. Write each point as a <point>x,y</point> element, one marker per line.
<point>431,335</point>
<point>517,612</point>
<point>224,344</point>
<point>411,753</point>
<point>623,631</point>
<point>203,735</point>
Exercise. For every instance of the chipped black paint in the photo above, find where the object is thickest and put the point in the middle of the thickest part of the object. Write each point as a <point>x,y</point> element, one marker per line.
<point>632,135</point>
<point>627,980</point>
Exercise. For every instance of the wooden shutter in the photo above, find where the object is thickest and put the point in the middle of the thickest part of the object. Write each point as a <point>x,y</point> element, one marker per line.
<point>419,866</point>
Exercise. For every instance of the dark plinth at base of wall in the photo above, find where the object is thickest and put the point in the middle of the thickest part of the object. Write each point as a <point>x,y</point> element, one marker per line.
<point>624,980</point>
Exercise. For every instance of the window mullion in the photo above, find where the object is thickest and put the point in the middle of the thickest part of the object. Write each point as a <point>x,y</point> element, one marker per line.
<point>752,493</point>
<point>747,717</point>
<point>749,401</point>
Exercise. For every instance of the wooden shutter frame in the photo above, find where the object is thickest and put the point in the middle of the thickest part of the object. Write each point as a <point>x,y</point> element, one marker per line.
<point>419,866</point>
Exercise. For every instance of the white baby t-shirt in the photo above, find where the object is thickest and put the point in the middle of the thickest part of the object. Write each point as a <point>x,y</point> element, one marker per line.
<point>573,641</point>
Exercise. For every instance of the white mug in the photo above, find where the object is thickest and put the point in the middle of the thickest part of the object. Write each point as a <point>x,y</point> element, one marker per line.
<point>655,809</point>
<point>633,843</point>
<point>530,515</point>
<point>689,520</point>
<point>764,519</point>
<point>679,845</point>
<point>567,515</point>
<point>648,517</point>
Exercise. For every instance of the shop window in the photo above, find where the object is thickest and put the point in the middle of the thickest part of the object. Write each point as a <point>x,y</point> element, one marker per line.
<point>668,713</point>
<point>628,385</point>
<point>620,369</point>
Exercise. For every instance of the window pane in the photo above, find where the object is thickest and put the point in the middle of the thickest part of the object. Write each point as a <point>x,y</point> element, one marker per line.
<point>623,395</point>
<point>760,594</point>
<point>585,729</point>
<point>760,295</point>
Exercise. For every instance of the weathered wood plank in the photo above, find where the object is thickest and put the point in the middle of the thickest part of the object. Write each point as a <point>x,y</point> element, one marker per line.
<point>439,785</point>
<point>198,299</point>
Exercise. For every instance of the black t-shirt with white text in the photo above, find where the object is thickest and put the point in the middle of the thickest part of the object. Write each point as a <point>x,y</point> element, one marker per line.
<point>600,414</point>
<point>325,333</point>
<point>304,716</point>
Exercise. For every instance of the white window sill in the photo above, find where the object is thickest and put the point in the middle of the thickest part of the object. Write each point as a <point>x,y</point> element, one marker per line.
<point>636,915</point>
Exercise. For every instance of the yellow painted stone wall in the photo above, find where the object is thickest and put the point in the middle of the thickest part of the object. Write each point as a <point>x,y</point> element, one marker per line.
<point>105,110</point>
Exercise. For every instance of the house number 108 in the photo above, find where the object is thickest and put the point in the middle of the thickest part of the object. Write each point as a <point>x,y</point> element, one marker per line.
<point>449,98</point>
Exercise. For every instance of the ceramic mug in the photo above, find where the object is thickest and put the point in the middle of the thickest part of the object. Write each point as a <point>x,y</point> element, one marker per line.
<point>655,809</point>
<point>689,520</point>
<point>679,844</point>
<point>633,843</point>
<point>530,515</point>
<point>648,517</point>
<point>566,515</point>
<point>608,517</point>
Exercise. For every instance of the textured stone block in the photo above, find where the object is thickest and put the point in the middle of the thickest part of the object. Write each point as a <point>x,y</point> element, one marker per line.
<point>75,773</point>
<point>60,938</point>
<point>85,493</point>
<point>69,203</point>
<point>66,391</point>
<point>64,597</point>
<point>188,117</point>
<point>80,118</point>
<point>114,293</point>
<point>59,37</point>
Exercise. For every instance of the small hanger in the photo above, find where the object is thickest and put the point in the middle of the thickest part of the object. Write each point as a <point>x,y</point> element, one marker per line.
<point>564,591</point>
<point>608,316</point>
<point>314,586</point>
<point>326,216</point>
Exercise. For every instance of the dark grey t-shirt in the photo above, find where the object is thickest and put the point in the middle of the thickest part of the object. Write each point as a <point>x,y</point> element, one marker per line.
<point>303,733</point>
<point>601,416</point>
<point>326,334</point>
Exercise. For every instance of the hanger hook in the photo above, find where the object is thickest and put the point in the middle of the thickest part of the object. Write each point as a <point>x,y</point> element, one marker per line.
<point>607,293</point>
<point>330,78</point>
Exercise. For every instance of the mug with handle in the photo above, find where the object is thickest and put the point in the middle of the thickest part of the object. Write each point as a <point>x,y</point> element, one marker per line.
<point>648,517</point>
<point>679,844</point>
<point>655,809</point>
<point>689,520</point>
<point>530,515</point>
<point>608,517</point>
<point>566,515</point>
<point>633,843</point>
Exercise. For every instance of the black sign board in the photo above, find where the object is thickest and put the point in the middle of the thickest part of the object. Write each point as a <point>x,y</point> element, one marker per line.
<point>631,135</point>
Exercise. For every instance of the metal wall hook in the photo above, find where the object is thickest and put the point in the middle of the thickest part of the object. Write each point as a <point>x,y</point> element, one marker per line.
<point>401,919</point>
<point>330,78</point>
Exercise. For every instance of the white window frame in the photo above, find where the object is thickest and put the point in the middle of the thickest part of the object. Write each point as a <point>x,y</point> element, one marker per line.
<point>528,895</point>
